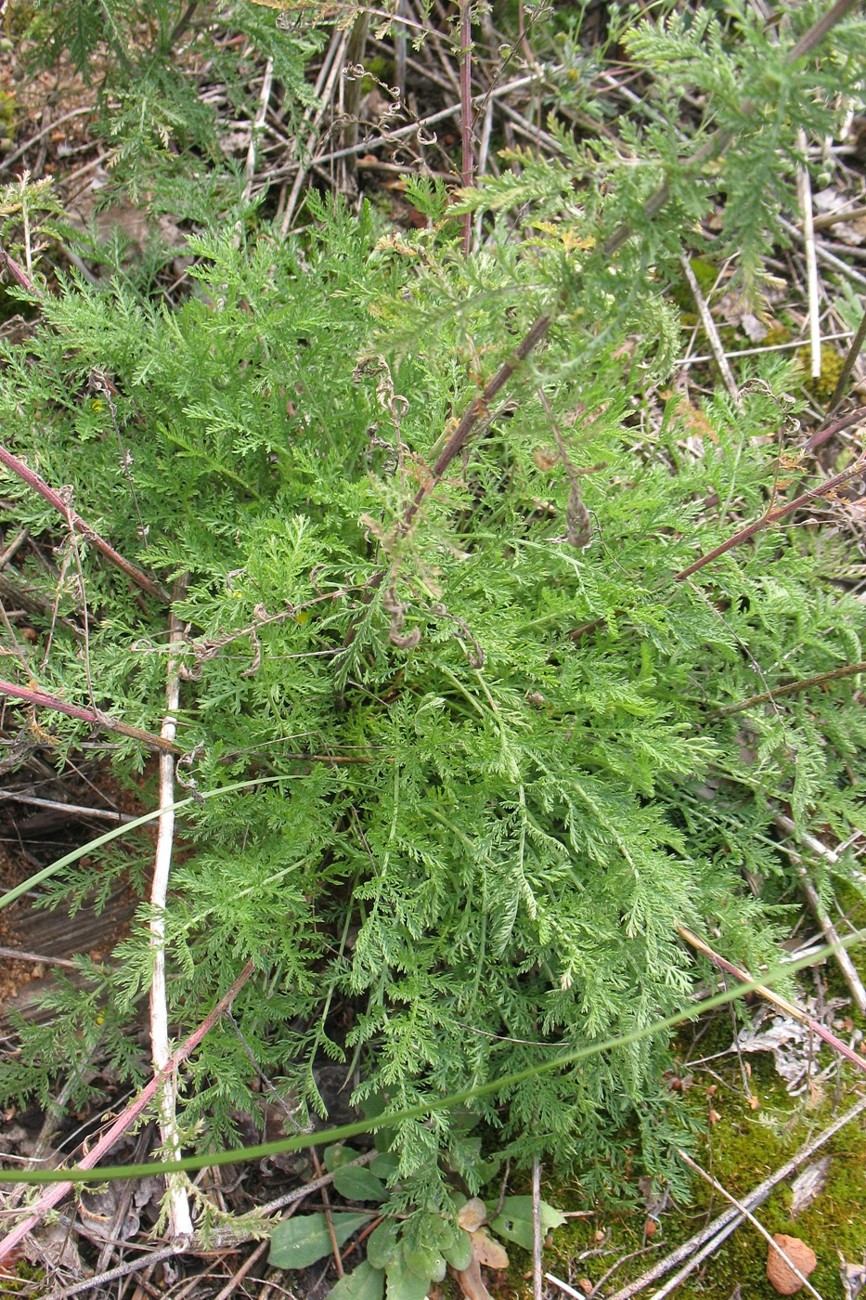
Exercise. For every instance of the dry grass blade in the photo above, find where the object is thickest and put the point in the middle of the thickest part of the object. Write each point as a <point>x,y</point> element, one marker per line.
<point>711,332</point>
<point>804,191</point>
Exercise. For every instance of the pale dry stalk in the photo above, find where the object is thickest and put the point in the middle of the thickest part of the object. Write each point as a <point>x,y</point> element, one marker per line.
<point>179,1208</point>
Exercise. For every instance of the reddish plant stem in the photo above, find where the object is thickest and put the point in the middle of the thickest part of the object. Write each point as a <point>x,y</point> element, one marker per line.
<point>79,525</point>
<point>16,270</point>
<point>468,160</point>
<point>789,1008</point>
<point>473,413</point>
<point>789,688</point>
<point>44,701</point>
<point>773,517</point>
<point>827,431</point>
<point>744,534</point>
<point>711,148</point>
<point>57,1191</point>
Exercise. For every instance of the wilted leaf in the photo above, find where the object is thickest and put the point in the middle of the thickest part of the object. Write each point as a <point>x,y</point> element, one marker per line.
<point>471,1282</point>
<point>487,1251</point>
<point>472,1215</point>
<point>303,1239</point>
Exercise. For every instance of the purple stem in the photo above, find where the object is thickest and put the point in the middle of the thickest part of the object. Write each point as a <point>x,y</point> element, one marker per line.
<point>42,700</point>
<point>79,525</point>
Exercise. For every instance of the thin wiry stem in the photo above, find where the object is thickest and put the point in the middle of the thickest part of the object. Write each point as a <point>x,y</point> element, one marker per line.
<point>775,999</point>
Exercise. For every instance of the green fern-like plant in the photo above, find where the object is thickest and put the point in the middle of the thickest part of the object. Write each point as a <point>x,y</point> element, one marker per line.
<point>502,715</point>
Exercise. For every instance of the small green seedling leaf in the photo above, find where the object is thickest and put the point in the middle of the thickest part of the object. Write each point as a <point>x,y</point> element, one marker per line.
<point>515,1221</point>
<point>363,1283</point>
<point>458,1253</point>
<point>383,1246</point>
<point>359,1184</point>
<point>403,1284</point>
<point>304,1239</point>
<point>385,1165</point>
<point>338,1154</point>
<point>424,1261</point>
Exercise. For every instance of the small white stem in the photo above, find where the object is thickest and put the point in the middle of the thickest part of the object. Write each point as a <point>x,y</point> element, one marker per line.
<point>804,194</point>
<point>181,1218</point>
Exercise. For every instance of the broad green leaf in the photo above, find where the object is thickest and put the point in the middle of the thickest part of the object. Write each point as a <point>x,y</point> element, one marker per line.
<point>385,1165</point>
<point>403,1284</point>
<point>338,1154</point>
<point>515,1221</point>
<point>458,1252</point>
<point>382,1245</point>
<point>424,1261</point>
<point>363,1283</point>
<point>303,1239</point>
<point>359,1184</point>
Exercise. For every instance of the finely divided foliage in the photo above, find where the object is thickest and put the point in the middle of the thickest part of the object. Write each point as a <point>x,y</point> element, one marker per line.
<point>508,781</point>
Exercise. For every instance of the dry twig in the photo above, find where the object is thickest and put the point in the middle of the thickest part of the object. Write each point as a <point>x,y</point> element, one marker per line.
<point>804,192</point>
<point>747,1214</point>
<point>181,1217</point>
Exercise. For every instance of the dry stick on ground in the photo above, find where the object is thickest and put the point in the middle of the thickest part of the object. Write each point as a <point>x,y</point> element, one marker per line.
<point>747,1214</point>
<point>257,127</point>
<point>80,526</point>
<point>453,110</point>
<point>467,168</point>
<point>42,700</point>
<point>804,193</point>
<point>789,1008</point>
<point>351,92</point>
<point>69,809</point>
<point>240,1273</point>
<point>221,1238</point>
<point>846,966</point>
<point>710,1238</point>
<point>56,1191</point>
<point>825,255</point>
<point>848,365</point>
<point>332,66</point>
<point>790,688</point>
<point>711,332</point>
<point>181,1218</point>
<point>16,954</point>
